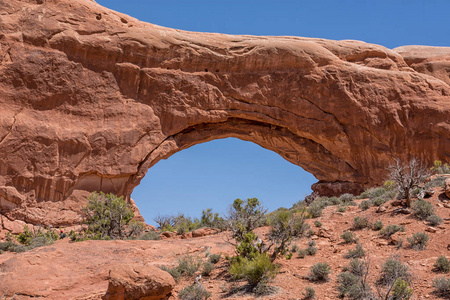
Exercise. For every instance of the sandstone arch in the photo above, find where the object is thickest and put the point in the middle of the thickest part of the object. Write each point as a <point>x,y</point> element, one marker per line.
<point>92,98</point>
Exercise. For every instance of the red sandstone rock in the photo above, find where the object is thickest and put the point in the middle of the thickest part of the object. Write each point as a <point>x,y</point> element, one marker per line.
<point>168,234</point>
<point>92,98</point>
<point>135,282</point>
<point>447,188</point>
<point>204,232</point>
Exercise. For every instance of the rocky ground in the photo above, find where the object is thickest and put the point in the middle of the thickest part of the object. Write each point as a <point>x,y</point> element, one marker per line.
<point>80,270</point>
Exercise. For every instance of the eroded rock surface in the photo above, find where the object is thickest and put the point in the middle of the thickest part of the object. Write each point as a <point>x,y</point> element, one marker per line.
<point>135,282</point>
<point>90,99</point>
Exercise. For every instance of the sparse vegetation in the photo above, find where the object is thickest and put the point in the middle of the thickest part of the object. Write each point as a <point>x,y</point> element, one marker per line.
<point>207,268</point>
<point>358,252</point>
<point>440,168</point>
<point>319,272</point>
<point>365,204</point>
<point>422,209</point>
<point>442,265</point>
<point>352,281</point>
<point>107,216</point>
<point>309,293</point>
<point>346,198</point>
<point>302,253</point>
<point>390,230</point>
<point>349,237</point>
<point>407,176</point>
<point>442,287</point>
<point>194,292</point>
<point>419,240</point>
<point>258,269</point>
<point>312,249</point>
<point>317,224</point>
<point>401,290</point>
<point>214,258</point>
<point>187,266</point>
<point>392,270</point>
<point>151,235</point>
<point>434,220</point>
<point>360,223</point>
<point>285,226</point>
<point>377,225</point>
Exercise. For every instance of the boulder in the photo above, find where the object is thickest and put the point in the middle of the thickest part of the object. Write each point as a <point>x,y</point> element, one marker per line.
<point>136,282</point>
<point>168,234</point>
<point>204,232</point>
<point>447,188</point>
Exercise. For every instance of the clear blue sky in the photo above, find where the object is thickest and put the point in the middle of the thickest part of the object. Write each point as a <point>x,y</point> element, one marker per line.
<point>212,175</point>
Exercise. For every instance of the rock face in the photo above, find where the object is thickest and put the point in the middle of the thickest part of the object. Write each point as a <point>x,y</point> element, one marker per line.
<point>91,99</point>
<point>128,282</point>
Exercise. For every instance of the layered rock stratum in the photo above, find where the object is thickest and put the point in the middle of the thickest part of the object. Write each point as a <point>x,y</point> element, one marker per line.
<point>91,99</point>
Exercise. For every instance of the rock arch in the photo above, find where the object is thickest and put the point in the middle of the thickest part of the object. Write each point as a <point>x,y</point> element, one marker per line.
<point>91,103</point>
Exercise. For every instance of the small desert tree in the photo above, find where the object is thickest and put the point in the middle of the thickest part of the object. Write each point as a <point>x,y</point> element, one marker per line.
<point>107,215</point>
<point>244,216</point>
<point>407,176</point>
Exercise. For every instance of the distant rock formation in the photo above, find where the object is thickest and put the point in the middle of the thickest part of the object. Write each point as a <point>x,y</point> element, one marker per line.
<point>91,99</point>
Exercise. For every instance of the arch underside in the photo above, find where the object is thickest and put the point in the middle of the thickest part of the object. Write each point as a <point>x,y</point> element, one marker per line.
<point>309,155</point>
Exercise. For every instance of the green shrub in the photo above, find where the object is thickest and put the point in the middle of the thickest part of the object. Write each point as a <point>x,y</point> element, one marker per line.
<point>207,268</point>
<point>358,252</point>
<point>419,240</point>
<point>311,250</point>
<point>285,227</point>
<point>346,198</point>
<point>357,266</point>
<point>401,290</point>
<point>434,220</point>
<point>319,272</point>
<point>349,285</point>
<point>349,237</point>
<point>442,264</point>
<point>422,209</point>
<point>365,204</point>
<point>107,215</point>
<point>378,225</point>
<point>436,182</point>
<point>151,235</point>
<point>341,208</point>
<point>440,168</point>
<point>392,270</point>
<point>302,253</point>
<point>442,287</point>
<point>12,247</point>
<point>244,216</point>
<point>352,281</point>
<point>294,248</point>
<point>255,270</point>
<point>211,219</point>
<point>372,193</point>
<point>317,224</point>
<point>214,258</point>
<point>315,210</point>
<point>194,292</point>
<point>360,223</point>
<point>379,201</point>
<point>188,265</point>
<point>309,293</point>
<point>390,230</point>
<point>172,271</point>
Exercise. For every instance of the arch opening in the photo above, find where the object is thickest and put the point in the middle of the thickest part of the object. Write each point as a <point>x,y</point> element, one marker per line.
<point>212,174</point>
